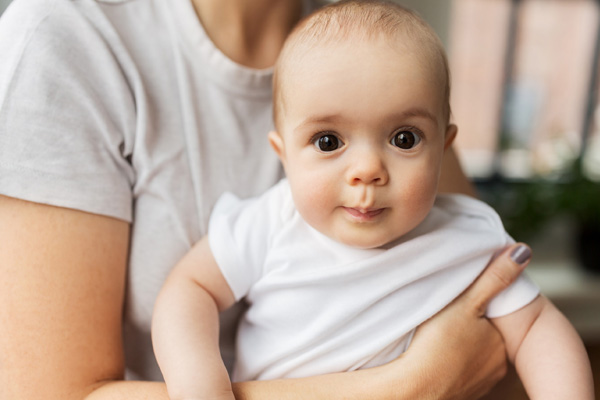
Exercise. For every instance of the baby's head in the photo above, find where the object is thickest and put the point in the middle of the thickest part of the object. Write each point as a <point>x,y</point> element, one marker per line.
<point>361,108</point>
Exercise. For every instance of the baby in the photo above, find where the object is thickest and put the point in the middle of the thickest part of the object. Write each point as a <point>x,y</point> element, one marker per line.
<point>341,262</point>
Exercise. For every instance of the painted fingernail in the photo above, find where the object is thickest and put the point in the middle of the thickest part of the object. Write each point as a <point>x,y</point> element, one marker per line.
<point>521,254</point>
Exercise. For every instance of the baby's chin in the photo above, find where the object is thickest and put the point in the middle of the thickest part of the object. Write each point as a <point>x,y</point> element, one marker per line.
<point>366,242</point>
<point>366,238</point>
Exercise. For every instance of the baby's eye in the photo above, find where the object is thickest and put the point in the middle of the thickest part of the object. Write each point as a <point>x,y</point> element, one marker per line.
<point>328,142</point>
<point>405,140</point>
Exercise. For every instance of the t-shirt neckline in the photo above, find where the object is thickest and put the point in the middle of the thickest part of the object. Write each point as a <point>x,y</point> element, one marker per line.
<point>212,60</point>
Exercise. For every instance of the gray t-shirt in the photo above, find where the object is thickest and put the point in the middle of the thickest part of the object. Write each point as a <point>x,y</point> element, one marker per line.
<point>125,108</point>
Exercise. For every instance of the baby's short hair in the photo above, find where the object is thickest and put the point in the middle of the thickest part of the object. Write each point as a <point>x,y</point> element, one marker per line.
<point>360,19</point>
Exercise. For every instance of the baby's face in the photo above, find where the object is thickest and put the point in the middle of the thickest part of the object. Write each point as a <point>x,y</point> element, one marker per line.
<point>362,137</point>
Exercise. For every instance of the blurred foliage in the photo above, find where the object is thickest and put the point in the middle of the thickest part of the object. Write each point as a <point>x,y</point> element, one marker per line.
<point>526,206</point>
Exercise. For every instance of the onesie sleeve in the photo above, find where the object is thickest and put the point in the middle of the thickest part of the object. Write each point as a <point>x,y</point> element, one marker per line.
<point>522,292</point>
<point>240,233</point>
<point>65,111</point>
<point>485,234</point>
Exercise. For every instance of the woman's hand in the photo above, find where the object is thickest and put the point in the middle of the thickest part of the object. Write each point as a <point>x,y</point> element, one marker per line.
<point>458,349</point>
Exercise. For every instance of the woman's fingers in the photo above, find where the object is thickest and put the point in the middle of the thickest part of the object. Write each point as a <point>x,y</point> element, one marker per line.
<point>463,352</point>
<point>460,347</point>
<point>500,273</point>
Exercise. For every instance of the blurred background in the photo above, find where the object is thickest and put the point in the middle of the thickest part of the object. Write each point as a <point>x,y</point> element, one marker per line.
<point>525,99</point>
<point>3,5</point>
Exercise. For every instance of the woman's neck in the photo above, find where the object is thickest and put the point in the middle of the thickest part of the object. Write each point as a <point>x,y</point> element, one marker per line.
<point>249,32</point>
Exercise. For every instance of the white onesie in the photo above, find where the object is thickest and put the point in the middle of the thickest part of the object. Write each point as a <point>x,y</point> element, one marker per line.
<point>318,306</point>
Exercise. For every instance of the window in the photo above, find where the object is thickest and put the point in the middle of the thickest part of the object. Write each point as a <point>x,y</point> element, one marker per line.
<point>522,73</point>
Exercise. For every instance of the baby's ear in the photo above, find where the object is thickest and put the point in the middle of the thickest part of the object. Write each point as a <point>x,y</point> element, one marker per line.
<point>451,132</point>
<point>276,142</point>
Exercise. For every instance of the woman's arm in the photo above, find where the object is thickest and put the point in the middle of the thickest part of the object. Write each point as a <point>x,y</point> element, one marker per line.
<point>61,295</point>
<point>453,179</point>
<point>61,299</point>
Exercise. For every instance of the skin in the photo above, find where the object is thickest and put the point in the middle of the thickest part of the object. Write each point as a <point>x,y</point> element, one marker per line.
<point>547,352</point>
<point>60,330</point>
<point>250,33</point>
<point>362,94</point>
<point>347,105</point>
<point>364,193</point>
<point>197,288</point>
<point>355,182</point>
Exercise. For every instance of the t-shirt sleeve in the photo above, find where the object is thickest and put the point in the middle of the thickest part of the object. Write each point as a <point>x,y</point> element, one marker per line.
<point>240,233</point>
<point>66,112</point>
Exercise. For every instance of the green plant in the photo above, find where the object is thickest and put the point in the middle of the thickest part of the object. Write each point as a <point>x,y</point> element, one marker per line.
<point>526,206</point>
<point>580,197</point>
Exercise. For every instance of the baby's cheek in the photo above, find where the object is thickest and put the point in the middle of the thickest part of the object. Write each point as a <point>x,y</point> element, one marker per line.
<point>420,192</point>
<point>313,194</point>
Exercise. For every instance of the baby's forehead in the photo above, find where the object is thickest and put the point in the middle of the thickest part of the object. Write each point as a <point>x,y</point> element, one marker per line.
<point>359,22</point>
<point>363,20</point>
<point>353,21</point>
<point>304,55</point>
<point>399,44</point>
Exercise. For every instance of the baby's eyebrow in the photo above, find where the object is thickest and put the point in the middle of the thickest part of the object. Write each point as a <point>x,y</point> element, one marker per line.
<point>329,119</point>
<point>319,119</point>
<point>416,112</point>
<point>419,113</point>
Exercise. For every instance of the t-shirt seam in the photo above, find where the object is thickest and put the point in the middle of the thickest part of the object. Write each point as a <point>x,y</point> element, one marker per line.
<point>4,166</point>
<point>12,72</point>
<point>215,66</point>
<point>256,92</point>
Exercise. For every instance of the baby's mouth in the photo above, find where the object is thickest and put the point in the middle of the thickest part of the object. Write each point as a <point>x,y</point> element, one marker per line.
<point>363,214</point>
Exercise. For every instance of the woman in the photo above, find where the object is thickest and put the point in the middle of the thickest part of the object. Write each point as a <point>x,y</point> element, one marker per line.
<point>121,123</point>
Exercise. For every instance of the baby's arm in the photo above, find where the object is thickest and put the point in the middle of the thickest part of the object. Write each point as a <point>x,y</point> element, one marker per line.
<point>185,328</point>
<point>547,352</point>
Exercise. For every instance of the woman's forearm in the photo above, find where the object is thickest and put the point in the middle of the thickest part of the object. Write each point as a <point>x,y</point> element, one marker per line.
<point>131,390</point>
<point>375,383</point>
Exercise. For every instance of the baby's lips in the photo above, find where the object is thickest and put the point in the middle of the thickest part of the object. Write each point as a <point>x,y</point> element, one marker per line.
<point>364,214</point>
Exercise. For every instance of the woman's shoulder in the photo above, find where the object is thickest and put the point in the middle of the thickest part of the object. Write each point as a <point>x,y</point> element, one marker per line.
<point>24,18</point>
<point>64,98</point>
<point>50,25</point>
<point>29,15</point>
<point>69,19</point>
